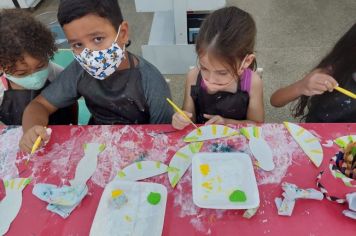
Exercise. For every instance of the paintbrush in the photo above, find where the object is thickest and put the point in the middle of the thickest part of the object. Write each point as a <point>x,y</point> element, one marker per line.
<point>35,146</point>
<point>346,92</point>
<point>183,114</point>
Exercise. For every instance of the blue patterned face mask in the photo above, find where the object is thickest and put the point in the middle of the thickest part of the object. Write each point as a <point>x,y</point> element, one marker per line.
<point>101,63</point>
<point>33,81</point>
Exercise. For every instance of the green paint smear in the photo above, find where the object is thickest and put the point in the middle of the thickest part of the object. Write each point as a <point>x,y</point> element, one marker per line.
<point>121,174</point>
<point>348,184</point>
<point>191,139</point>
<point>341,143</point>
<point>175,180</point>
<point>172,169</point>
<point>339,175</point>
<point>154,198</point>
<point>139,165</point>
<point>102,147</point>
<point>195,147</point>
<point>237,196</point>
<point>244,132</point>
<point>353,151</point>
<point>27,181</point>
<point>255,132</point>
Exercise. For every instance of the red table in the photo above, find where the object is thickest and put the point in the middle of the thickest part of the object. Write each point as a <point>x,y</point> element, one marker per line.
<point>56,164</point>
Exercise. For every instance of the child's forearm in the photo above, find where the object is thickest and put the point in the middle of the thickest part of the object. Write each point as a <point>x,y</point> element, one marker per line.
<point>286,95</point>
<point>34,114</point>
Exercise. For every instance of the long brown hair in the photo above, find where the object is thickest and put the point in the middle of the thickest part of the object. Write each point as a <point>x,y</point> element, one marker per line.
<point>229,34</point>
<point>340,63</point>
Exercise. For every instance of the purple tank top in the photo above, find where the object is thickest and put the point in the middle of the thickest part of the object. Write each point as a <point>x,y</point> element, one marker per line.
<point>245,82</point>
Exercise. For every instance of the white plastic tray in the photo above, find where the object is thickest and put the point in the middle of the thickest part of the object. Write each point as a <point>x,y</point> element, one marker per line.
<point>227,172</point>
<point>137,217</point>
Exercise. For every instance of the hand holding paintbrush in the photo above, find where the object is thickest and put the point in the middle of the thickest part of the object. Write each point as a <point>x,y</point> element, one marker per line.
<point>33,138</point>
<point>183,114</point>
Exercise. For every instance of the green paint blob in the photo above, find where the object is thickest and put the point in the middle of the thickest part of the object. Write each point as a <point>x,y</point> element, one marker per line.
<point>237,196</point>
<point>154,198</point>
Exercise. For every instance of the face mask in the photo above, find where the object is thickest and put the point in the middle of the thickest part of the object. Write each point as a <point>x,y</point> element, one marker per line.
<point>102,63</point>
<point>34,81</point>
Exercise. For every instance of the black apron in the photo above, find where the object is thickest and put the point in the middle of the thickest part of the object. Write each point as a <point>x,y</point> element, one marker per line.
<point>118,99</point>
<point>333,107</point>
<point>225,104</point>
<point>15,101</point>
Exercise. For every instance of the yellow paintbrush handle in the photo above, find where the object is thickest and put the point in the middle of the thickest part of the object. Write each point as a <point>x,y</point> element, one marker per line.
<point>180,112</point>
<point>36,144</point>
<point>346,92</point>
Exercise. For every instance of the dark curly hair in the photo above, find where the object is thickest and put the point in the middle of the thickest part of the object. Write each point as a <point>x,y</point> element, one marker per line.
<point>21,33</point>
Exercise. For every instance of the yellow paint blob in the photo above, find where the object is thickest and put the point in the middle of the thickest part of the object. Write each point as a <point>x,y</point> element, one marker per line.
<point>204,169</point>
<point>116,193</point>
<point>207,185</point>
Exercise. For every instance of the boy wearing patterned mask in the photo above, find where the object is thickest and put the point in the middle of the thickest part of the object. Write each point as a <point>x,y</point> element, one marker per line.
<point>118,87</point>
<point>26,46</point>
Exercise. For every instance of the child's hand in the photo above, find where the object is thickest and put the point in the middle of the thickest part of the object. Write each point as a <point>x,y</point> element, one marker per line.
<point>317,83</point>
<point>179,122</point>
<point>214,119</point>
<point>29,138</point>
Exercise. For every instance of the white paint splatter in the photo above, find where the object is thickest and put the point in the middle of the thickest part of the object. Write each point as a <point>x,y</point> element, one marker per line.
<point>329,143</point>
<point>284,148</point>
<point>348,102</point>
<point>316,134</point>
<point>127,144</point>
<point>9,143</point>
<point>123,146</point>
<point>197,224</point>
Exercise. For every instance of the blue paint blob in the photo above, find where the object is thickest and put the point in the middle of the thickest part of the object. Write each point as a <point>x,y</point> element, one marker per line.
<point>221,147</point>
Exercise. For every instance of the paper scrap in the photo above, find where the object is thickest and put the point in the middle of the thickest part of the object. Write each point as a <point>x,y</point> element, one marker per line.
<point>249,213</point>
<point>62,200</point>
<point>307,141</point>
<point>351,199</point>
<point>291,194</point>
<point>181,161</point>
<point>11,204</point>
<point>87,165</point>
<point>259,147</point>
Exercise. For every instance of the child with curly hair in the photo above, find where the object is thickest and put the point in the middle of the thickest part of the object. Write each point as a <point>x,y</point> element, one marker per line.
<point>26,46</point>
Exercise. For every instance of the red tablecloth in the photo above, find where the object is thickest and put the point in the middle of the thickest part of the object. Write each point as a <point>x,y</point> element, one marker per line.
<point>57,161</point>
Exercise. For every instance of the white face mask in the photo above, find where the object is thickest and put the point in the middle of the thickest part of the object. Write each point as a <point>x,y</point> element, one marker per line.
<point>101,63</point>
